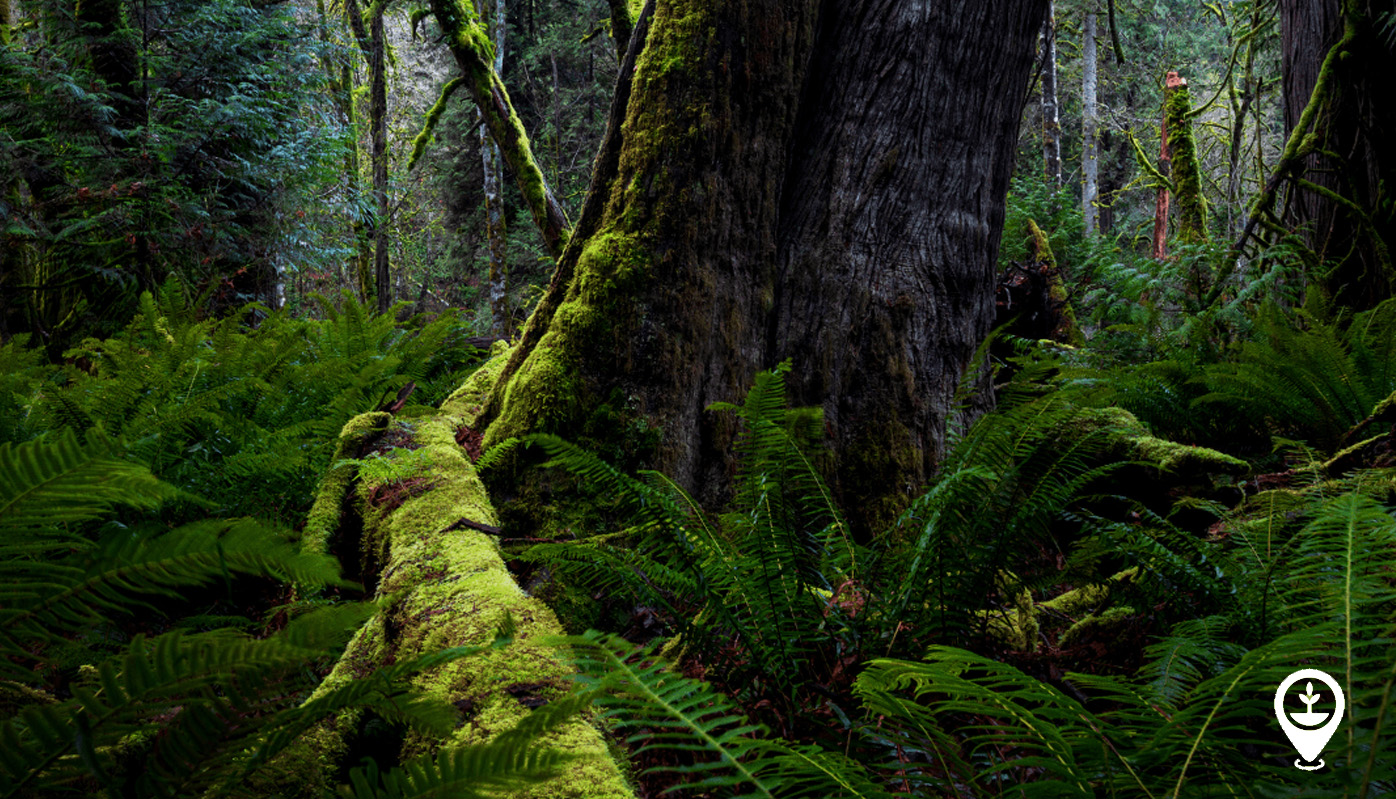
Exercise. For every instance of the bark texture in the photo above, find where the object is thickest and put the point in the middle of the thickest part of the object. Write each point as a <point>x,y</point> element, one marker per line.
<point>893,206</point>
<point>493,169</point>
<point>786,179</point>
<point>1347,204</point>
<point>378,133</point>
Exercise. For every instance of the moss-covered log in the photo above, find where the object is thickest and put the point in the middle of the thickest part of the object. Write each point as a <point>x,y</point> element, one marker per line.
<point>443,584</point>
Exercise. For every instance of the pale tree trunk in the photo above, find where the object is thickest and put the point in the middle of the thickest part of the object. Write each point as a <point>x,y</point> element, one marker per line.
<point>832,194</point>
<point>495,232</point>
<point>1051,120</point>
<point>1090,127</point>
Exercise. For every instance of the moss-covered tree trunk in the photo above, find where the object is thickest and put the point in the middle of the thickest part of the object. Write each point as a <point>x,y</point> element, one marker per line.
<point>1347,178</point>
<point>378,135</point>
<point>786,179</point>
<point>1191,226</point>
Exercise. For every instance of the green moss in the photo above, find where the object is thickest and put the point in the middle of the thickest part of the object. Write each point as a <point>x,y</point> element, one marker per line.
<point>453,589</point>
<point>1169,456</point>
<point>1187,173</point>
<point>545,394</point>
<point>1040,251</point>
<point>324,518</point>
<point>1103,626</point>
<point>1088,597</point>
<point>1016,625</point>
<point>468,401</point>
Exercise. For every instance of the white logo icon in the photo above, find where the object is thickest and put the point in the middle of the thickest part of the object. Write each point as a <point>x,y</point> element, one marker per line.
<point>1309,731</point>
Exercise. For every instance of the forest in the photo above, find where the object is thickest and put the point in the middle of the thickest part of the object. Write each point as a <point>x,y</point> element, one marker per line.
<point>615,399</point>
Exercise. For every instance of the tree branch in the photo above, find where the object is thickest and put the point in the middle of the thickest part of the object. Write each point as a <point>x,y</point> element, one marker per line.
<point>475,54</point>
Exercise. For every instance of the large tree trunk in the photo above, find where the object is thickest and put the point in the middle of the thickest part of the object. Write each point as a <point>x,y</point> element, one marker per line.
<point>890,221</point>
<point>786,179</point>
<point>1353,160</point>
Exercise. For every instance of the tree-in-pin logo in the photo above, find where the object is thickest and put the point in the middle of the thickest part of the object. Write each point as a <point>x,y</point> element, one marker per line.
<point>1309,730</point>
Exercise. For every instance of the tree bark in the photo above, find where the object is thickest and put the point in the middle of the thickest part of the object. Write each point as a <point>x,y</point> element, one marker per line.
<point>1350,171</point>
<point>496,234</point>
<point>1090,128</point>
<point>786,179</point>
<point>1187,172</point>
<point>378,131</point>
<point>1051,121</point>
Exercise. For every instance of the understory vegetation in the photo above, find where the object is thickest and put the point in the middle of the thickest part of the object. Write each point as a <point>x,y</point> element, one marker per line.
<point>1075,605</point>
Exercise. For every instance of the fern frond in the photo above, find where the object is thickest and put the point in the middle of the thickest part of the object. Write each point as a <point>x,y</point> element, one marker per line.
<point>55,599</point>
<point>55,482</point>
<point>662,710</point>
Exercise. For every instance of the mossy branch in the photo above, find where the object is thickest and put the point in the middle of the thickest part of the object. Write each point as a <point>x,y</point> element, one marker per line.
<point>419,144</point>
<point>471,47</point>
<point>1145,164</point>
<point>1300,144</point>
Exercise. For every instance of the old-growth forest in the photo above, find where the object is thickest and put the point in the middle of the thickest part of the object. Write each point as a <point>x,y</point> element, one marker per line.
<point>704,398</point>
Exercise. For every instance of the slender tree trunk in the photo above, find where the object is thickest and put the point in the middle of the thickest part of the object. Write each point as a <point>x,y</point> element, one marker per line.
<point>786,179</point>
<point>493,168</point>
<point>378,131</point>
<point>1344,198</point>
<point>340,74</point>
<point>1051,121</point>
<point>1090,127</point>
<point>622,22</point>
<point>1165,168</point>
<point>1240,107</point>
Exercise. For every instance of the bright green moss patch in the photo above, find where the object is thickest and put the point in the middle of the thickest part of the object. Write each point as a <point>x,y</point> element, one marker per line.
<point>1102,626</point>
<point>325,515</point>
<point>1169,456</point>
<point>1187,172</point>
<point>453,589</point>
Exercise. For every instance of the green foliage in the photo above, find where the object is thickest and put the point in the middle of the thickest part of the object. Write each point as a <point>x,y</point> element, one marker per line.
<point>640,695</point>
<point>1184,723</point>
<point>1317,383</point>
<point>997,498</point>
<point>762,574</point>
<point>145,142</point>
<point>177,713</point>
<point>242,417</point>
